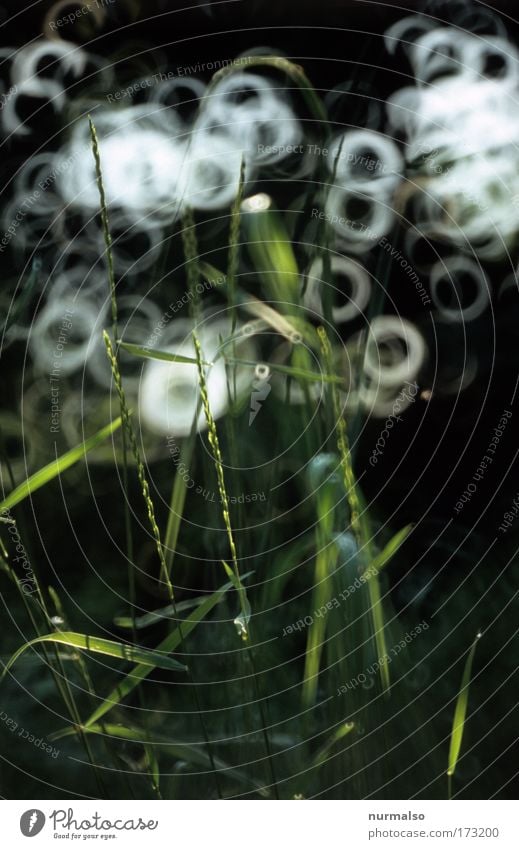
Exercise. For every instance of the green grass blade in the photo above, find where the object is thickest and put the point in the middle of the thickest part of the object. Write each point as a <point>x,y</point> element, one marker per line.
<point>212,274</point>
<point>178,500</point>
<point>159,615</point>
<point>272,254</point>
<point>389,550</point>
<point>153,766</point>
<point>97,645</point>
<point>460,713</point>
<point>169,644</point>
<point>292,371</point>
<point>337,736</point>
<point>59,465</point>
<point>316,635</point>
<point>154,354</point>
<point>379,627</point>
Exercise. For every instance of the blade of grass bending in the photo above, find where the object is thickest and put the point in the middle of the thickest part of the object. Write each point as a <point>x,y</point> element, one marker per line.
<point>155,616</point>
<point>460,713</point>
<point>182,751</point>
<point>263,311</point>
<point>295,72</point>
<point>211,273</point>
<point>337,736</point>
<point>57,466</point>
<point>97,645</point>
<point>154,354</point>
<point>169,644</point>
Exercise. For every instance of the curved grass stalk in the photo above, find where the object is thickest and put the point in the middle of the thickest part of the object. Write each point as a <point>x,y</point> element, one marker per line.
<point>295,72</point>
<point>98,645</point>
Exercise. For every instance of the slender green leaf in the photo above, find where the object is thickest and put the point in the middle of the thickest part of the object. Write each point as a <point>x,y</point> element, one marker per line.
<point>338,735</point>
<point>97,645</point>
<point>155,616</point>
<point>153,765</point>
<point>292,371</point>
<point>59,465</point>
<point>389,550</point>
<point>178,497</point>
<point>460,713</point>
<point>154,354</point>
<point>212,274</point>
<point>377,610</point>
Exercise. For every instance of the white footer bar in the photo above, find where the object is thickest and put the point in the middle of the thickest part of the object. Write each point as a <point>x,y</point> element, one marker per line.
<point>261,825</point>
